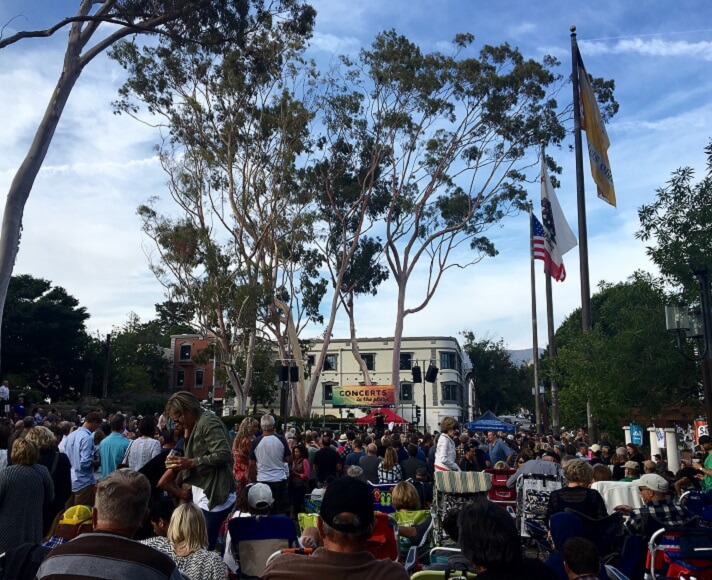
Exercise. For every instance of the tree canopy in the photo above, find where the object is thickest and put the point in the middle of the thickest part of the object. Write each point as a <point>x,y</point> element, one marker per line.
<point>43,332</point>
<point>678,225</point>
<point>626,361</point>
<point>501,386</point>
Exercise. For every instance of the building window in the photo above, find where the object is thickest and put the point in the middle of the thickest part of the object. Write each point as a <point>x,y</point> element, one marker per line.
<point>199,376</point>
<point>328,393</point>
<point>330,363</point>
<point>406,393</point>
<point>451,392</point>
<point>448,360</point>
<point>180,378</point>
<point>185,351</point>
<point>370,360</point>
<point>311,360</point>
<point>406,361</point>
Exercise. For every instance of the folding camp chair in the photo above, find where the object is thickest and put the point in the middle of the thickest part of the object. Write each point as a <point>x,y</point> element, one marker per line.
<point>680,550</point>
<point>382,497</point>
<point>253,540</point>
<point>453,490</point>
<point>533,492</point>
<point>606,533</point>
<point>414,555</point>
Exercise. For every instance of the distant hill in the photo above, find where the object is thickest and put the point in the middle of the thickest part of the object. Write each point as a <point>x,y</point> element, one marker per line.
<point>522,356</point>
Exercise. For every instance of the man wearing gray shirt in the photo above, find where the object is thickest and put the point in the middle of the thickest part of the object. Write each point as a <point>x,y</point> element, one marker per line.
<point>369,463</point>
<point>547,465</point>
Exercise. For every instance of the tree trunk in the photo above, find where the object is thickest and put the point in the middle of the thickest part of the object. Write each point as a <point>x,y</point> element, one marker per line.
<point>27,173</point>
<point>398,335</point>
<point>296,351</point>
<point>249,362</point>
<point>354,341</point>
<point>240,392</point>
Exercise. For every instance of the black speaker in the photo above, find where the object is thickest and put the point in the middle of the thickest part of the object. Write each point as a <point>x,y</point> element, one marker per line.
<point>432,374</point>
<point>294,374</point>
<point>283,373</point>
<point>417,375</point>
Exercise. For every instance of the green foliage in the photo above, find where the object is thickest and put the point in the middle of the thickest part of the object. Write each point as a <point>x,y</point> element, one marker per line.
<point>627,360</point>
<point>43,331</point>
<point>500,385</point>
<point>263,387</point>
<point>137,360</point>
<point>679,226</point>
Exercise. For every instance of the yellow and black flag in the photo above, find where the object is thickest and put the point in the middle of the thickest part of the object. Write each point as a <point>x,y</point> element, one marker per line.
<point>596,136</point>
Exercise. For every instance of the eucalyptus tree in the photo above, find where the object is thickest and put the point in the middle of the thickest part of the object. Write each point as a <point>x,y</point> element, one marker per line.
<point>230,244</point>
<point>101,24</point>
<point>453,134</point>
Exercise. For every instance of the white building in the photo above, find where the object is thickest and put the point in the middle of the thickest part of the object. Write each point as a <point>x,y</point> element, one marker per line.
<point>448,395</point>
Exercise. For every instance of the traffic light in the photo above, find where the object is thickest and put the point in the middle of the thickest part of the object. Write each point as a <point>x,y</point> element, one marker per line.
<point>284,373</point>
<point>432,373</point>
<point>417,376</point>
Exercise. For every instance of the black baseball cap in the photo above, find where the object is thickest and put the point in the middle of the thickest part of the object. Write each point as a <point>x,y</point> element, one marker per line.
<point>348,496</point>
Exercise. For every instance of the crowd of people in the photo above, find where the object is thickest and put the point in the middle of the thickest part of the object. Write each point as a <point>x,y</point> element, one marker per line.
<point>157,496</point>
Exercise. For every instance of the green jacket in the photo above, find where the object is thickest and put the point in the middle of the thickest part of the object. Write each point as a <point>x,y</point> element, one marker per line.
<point>209,446</point>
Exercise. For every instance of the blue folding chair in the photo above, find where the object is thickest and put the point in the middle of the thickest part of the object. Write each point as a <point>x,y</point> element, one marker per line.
<point>253,540</point>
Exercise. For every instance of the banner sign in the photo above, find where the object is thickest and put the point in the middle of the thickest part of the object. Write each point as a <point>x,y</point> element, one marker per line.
<point>636,434</point>
<point>660,436</point>
<point>364,396</point>
<point>700,430</point>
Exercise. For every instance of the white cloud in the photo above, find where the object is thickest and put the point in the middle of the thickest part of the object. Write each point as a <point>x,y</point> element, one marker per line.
<point>650,47</point>
<point>520,29</point>
<point>333,44</point>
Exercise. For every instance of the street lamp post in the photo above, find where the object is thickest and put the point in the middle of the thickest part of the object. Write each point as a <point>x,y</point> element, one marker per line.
<point>697,327</point>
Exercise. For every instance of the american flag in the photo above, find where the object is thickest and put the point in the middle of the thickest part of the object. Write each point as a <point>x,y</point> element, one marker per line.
<point>541,246</point>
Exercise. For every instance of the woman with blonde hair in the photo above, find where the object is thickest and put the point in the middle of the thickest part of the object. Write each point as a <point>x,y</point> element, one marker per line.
<point>60,470</point>
<point>241,451</point>
<point>446,451</point>
<point>187,542</point>
<point>388,470</point>
<point>413,523</point>
<point>207,464</point>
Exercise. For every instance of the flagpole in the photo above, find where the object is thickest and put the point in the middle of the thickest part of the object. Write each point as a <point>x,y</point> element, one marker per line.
<point>551,333</point>
<point>552,353</point>
<point>581,199</point>
<point>535,342</point>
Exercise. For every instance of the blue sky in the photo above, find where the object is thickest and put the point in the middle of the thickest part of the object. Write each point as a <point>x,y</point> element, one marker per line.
<point>81,230</point>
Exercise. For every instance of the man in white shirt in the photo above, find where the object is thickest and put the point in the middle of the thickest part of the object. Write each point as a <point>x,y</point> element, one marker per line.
<point>269,463</point>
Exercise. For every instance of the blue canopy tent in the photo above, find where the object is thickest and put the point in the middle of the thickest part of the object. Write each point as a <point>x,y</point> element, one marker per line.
<point>490,422</point>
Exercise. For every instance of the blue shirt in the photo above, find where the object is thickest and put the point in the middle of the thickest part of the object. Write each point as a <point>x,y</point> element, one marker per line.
<point>80,450</point>
<point>111,451</point>
<point>499,452</point>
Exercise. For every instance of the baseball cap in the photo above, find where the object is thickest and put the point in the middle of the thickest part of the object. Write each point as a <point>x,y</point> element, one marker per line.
<point>76,515</point>
<point>510,437</point>
<point>421,472</point>
<point>260,496</point>
<point>348,496</point>
<point>631,465</point>
<point>469,447</point>
<point>653,481</point>
<point>595,447</point>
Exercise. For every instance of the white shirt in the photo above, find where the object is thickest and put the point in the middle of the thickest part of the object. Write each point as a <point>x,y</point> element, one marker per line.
<point>4,393</point>
<point>269,453</point>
